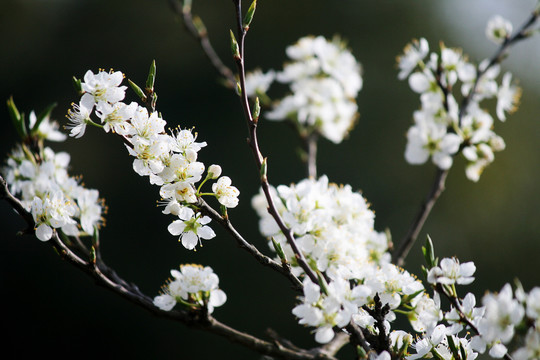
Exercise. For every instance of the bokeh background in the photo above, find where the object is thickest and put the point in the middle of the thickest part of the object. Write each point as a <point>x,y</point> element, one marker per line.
<point>52,309</point>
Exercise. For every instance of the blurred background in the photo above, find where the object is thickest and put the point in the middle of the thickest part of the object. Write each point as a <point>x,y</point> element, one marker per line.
<point>52,309</point>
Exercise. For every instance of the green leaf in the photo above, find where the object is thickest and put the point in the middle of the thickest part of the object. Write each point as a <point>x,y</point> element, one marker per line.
<point>256,110</point>
<point>16,118</point>
<point>234,46</point>
<point>279,250</point>
<point>42,116</point>
<point>137,90</point>
<point>322,283</point>
<point>77,85</point>
<point>199,26</point>
<point>429,253</point>
<point>264,168</point>
<point>151,76</point>
<point>249,15</point>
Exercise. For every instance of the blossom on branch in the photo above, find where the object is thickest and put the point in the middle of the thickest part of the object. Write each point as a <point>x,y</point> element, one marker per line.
<point>193,286</point>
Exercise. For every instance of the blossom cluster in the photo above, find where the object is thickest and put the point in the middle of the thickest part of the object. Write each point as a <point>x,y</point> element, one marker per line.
<point>442,127</point>
<point>504,318</point>
<point>193,286</point>
<point>334,229</point>
<point>55,199</point>
<point>324,79</point>
<point>169,160</point>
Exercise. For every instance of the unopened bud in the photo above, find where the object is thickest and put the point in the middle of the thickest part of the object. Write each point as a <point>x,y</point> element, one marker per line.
<point>214,171</point>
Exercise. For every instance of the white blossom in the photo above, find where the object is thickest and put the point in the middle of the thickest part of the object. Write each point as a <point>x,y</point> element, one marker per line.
<point>226,194</point>
<point>104,86</point>
<point>191,227</point>
<point>450,271</point>
<point>498,29</point>
<point>193,285</point>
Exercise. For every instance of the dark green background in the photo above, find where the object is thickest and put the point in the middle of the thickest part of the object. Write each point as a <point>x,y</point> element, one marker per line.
<point>52,309</point>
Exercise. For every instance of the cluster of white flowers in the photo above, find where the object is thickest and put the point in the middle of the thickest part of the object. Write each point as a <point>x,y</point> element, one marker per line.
<point>193,286</point>
<point>169,160</point>
<point>441,128</point>
<point>324,79</point>
<point>502,319</point>
<point>55,199</point>
<point>333,228</point>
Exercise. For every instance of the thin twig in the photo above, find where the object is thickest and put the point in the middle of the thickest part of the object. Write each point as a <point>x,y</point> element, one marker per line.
<point>17,205</point>
<point>107,277</point>
<point>254,145</point>
<point>497,58</point>
<point>310,143</point>
<point>283,268</point>
<point>401,252</point>
<point>200,34</point>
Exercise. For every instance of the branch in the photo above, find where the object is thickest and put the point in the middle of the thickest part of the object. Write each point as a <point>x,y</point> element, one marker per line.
<point>254,145</point>
<point>401,252</point>
<point>498,57</point>
<point>107,277</point>
<point>283,268</point>
<point>16,205</point>
<point>197,29</point>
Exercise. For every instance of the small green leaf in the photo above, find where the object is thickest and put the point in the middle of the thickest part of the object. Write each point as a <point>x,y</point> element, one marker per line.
<point>256,110</point>
<point>137,90</point>
<point>322,283</point>
<point>249,15</point>
<point>16,118</point>
<point>199,25</point>
<point>234,46</point>
<point>452,346</point>
<point>151,76</point>
<point>77,85</point>
<point>279,250</point>
<point>264,168</point>
<point>42,116</point>
<point>429,253</point>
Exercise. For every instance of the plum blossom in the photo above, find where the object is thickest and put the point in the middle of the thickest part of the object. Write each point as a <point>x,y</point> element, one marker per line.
<point>47,129</point>
<point>498,29</point>
<point>79,117</point>
<point>507,97</point>
<point>450,271</point>
<point>226,194</point>
<point>502,314</point>
<point>192,228</point>
<point>194,286</point>
<point>324,79</point>
<point>104,86</point>
<point>413,54</point>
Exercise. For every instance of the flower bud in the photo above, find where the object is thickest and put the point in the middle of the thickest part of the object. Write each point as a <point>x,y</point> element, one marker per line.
<point>214,171</point>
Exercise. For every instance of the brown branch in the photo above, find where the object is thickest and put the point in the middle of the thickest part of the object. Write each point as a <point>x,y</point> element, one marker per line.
<point>401,252</point>
<point>283,268</point>
<point>199,32</point>
<point>254,145</point>
<point>107,277</point>
<point>17,205</point>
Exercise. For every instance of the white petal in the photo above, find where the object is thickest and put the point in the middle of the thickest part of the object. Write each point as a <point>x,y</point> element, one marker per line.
<point>206,232</point>
<point>176,227</point>
<point>190,240</point>
<point>44,232</point>
<point>324,335</point>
